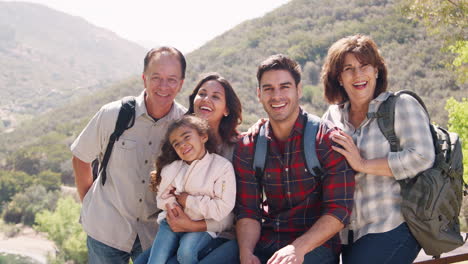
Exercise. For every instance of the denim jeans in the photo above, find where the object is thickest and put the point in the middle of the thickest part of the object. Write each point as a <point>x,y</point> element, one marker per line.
<point>186,244</point>
<point>220,252</point>
<point>229,253</point>
<point>100,253</point>
<point>214,244</point>
<point>395,246</point>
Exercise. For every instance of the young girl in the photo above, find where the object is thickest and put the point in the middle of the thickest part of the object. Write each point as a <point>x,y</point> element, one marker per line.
<point>190,175</point>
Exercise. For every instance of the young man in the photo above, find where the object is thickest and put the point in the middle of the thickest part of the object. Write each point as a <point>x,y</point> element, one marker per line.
<point>301,214</point>
<point>115,215</point>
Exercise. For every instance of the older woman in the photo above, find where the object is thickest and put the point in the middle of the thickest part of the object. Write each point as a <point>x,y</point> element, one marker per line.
<point>213,99</point>
<point>355,80</point>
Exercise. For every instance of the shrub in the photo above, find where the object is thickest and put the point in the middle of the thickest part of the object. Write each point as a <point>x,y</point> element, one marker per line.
<point>62,227</point>
<point>24,206</point>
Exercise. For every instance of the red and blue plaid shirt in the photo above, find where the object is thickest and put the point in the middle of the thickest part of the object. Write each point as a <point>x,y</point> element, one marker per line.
<point>295,199</point>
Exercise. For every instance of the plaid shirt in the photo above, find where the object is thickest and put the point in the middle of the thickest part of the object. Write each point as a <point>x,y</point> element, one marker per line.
<point>377,199</point>
<point>295,199</point>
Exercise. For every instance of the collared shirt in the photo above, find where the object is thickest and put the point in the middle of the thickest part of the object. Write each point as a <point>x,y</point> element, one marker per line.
<point>295,199</point>
<point>377,200</point>
<point>117,212</point>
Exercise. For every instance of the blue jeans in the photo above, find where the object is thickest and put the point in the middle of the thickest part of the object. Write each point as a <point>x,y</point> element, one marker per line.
<point>229,253</point>
<point>100,253</point>
<point>214,244</point>
<point>220,252</point>
<point>395,246</point>
<point>186,244</point>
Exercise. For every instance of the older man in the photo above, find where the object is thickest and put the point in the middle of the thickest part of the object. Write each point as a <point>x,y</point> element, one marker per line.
<point>115,215</point>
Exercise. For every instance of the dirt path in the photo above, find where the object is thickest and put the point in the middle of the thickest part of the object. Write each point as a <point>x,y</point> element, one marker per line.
<point>28,243</point>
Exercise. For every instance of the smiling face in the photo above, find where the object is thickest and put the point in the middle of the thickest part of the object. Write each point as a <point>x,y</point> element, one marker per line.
<point>188,144</point>
<point>162,80</point>
<point>279,95</point>
<point>358,79</point>
<point>210,103</point>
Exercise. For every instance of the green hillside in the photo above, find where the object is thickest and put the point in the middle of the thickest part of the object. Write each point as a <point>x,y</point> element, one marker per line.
<point>48,57</point>
<point>303,29</point>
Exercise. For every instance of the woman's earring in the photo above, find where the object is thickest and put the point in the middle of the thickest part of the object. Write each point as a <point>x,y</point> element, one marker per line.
<point>377,75</point>
<point>341,84</point>
<point>226,114</point>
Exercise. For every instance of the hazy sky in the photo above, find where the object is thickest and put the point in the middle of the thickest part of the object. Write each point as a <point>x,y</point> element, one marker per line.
<point>185,25</point>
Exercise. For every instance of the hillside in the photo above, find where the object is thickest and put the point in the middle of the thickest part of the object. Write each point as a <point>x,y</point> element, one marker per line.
<point>303,29</point>
<point>47,57</point>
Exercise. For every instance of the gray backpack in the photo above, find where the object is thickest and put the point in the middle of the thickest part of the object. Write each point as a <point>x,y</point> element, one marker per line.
<point>432,200</point>
<point>311,128</point>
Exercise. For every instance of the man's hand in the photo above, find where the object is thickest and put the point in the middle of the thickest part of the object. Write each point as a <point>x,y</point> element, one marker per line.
<point>249,258</point>
<point>182,198</point>
<point>288,254</point>
<point>177,219</point>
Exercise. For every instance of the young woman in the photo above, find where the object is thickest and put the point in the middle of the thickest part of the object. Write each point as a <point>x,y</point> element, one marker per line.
<point>355,80</point>
<point>191,176</point>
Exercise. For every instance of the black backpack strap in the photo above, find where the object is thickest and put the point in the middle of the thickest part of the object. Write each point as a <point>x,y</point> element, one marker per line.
<point>125,120</point>
<point>260,154</point>
<point>312,126</point>
<point>386,120</point>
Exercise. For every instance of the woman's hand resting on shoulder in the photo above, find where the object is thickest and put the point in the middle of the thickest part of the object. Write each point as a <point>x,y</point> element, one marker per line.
<point>349,150</point>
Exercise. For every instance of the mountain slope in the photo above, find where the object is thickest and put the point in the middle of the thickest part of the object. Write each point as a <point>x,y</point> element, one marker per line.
<point>47,56</point>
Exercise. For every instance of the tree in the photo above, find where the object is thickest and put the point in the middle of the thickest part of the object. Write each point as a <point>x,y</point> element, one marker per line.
<point>25,205</point>
<point>49,179</point>
<point>12,182</point>
<point>63,228</point>
<point>446,19</point>
<point>458,122</point>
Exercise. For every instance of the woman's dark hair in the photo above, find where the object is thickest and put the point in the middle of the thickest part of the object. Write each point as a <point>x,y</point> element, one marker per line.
<point>168,153</point>
<point>228,124</point>
<point>366,52</point>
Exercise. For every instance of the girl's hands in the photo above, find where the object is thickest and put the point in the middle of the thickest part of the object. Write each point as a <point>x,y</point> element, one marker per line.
<point>349,150</point>
<point>182,198</point>
<point>177,219</point>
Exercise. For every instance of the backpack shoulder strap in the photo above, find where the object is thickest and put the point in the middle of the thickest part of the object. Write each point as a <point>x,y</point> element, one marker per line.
<point>260,152</point>
<point>386,117</point>
<point>308,143</point>
<point>386,120</point>
<point>125,120</point>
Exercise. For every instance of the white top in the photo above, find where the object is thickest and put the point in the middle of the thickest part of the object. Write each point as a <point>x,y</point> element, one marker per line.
<point>210,183</point>
<point>377,199</point>
<point>116,213</point>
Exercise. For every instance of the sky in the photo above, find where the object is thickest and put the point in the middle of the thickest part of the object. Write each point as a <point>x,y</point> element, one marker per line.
<point>186,25</point>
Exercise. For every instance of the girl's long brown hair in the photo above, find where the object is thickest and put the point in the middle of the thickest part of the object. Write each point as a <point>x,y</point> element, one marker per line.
<point>168,153</point>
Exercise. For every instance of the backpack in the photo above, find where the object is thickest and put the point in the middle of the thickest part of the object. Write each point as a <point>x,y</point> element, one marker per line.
<point>308,146</point>
<point>432,199</point>
<point>125,120</point>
